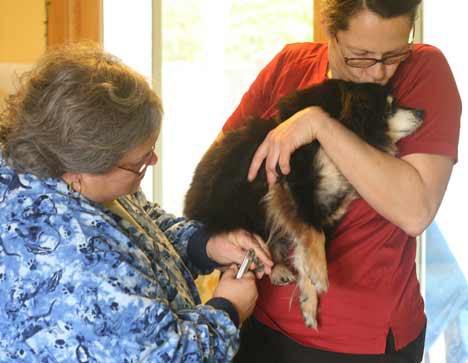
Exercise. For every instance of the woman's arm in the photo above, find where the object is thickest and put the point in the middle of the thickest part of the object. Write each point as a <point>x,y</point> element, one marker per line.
<point>406,191</point>
<point>84,291</point>
<point>100,320</point>
<point>201,251</point>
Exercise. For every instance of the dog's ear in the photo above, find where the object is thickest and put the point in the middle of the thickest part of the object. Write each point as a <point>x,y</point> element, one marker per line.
<point>327,95</point>
<point>363,106</point>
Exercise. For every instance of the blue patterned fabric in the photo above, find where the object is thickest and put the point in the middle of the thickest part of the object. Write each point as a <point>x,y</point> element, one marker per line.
<point>80,284</point>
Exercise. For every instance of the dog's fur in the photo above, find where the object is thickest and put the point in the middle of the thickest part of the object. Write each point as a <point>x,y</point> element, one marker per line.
<point>304,206</point>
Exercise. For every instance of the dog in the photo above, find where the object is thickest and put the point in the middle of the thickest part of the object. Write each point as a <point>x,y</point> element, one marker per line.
<point>300,211</point>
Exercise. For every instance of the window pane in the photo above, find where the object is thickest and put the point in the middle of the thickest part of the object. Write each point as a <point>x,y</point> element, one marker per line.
<point>127,34</point>
<point>446,293</point>
<point>212,51</point>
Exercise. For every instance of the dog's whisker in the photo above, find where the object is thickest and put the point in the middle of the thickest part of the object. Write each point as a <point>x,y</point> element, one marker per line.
<point>291,298</point>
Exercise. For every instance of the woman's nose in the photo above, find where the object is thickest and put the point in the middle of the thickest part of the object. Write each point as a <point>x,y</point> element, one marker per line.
<point>154,159</point>
<point>377,72</point>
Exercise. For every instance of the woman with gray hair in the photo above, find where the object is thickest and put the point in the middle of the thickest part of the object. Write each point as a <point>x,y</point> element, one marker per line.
<point>90,270</point>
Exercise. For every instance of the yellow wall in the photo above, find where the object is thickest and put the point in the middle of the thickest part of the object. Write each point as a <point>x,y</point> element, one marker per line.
<point>22,30</point>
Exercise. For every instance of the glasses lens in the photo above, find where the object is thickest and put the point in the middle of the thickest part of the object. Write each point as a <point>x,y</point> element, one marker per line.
<point>397,58</point>
<point>369,62</point>
<point>142,168</point>
<point>360,62</point>
<point>146,162</point>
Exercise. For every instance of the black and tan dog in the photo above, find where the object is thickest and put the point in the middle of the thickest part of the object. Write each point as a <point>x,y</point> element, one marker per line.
<point>304,206</point>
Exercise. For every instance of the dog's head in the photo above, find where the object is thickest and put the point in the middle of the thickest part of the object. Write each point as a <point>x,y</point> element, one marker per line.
<point>367,109</point>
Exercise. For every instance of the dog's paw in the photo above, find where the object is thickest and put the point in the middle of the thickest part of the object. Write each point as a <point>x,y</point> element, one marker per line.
<point>309,310</point>
<point>321,283</point>
<point>281,275</point>
<point>318,274</point>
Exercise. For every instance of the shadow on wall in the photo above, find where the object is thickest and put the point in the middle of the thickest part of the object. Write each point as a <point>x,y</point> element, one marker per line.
<point>9,73</point>
<point>3,94</point>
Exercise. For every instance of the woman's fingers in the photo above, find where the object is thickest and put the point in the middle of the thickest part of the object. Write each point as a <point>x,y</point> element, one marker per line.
<point>273,151</point>
<point>271,162</point>
<point>263,257</point>
<point>229,271</point>
<point>262,245</point>
<point>257,160</point>
<point>284,159</point>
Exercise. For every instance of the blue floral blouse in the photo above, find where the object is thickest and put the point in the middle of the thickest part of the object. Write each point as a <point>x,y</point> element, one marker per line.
<point>80,284</point>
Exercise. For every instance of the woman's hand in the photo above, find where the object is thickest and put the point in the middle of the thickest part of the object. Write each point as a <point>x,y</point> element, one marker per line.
<point>229,248</point>
<point>242,293</point>
<point>277,148</point>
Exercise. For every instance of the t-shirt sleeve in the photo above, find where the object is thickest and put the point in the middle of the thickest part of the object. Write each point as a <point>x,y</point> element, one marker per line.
<point>427,83</point>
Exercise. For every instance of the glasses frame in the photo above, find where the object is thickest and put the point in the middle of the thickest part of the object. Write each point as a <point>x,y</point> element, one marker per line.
<point>141,171</point>
<point>373,61</point>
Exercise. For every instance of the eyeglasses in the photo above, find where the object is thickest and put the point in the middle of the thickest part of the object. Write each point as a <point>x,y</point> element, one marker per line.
<point>142,169</point>
<point>365,62</point>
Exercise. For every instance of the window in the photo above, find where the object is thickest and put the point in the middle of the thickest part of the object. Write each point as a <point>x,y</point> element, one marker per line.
<point>445,247</point>
<point>212,51</point>
<point>127,33</point>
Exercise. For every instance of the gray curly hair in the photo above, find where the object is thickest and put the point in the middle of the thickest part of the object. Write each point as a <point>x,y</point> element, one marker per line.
<point>78,110</point>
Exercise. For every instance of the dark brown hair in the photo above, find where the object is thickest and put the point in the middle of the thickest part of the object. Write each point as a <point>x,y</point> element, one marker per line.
<point>337,13</point>
<point>78,110</point>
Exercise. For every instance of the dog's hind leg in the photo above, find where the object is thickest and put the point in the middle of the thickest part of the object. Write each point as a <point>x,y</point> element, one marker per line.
<point>308,300</point>
<point>281,274</point>
<point>310,257</point>
<point>311,266</point>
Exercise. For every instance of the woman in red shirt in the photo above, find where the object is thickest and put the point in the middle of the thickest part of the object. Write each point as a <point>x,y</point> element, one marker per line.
<point>373,310</point>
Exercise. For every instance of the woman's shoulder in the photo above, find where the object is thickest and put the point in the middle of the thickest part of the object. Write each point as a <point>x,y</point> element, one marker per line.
<point>426,52</point>
<point>425,57</point>
<point>46,206</point>
<point>43,219</point>
<point>427,65</point>
<point>21,191</point>
<point>304,51</point>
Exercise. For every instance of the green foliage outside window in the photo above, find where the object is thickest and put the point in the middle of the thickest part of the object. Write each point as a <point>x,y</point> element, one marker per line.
<point>275,23</point>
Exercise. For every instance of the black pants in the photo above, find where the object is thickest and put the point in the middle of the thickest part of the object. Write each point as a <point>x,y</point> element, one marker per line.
<point>260,344</point>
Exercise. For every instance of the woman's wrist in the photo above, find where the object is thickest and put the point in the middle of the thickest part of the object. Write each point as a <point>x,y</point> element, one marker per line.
<point>320,125</point>
<point>221,303</point>
<point>208,249</point>
<point>197,250</point>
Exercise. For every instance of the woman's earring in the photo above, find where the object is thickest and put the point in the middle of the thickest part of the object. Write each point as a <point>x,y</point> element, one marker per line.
<point>75,185</point>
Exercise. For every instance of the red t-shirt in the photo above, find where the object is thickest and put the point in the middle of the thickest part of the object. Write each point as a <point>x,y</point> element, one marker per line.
<point>371,262</point>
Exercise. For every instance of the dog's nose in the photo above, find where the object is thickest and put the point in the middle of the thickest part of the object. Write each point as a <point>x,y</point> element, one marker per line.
<point>419,114</point>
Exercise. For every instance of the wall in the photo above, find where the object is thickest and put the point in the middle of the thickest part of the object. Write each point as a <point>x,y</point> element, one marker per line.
<point>22,30</point>
<point>22,38</point>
